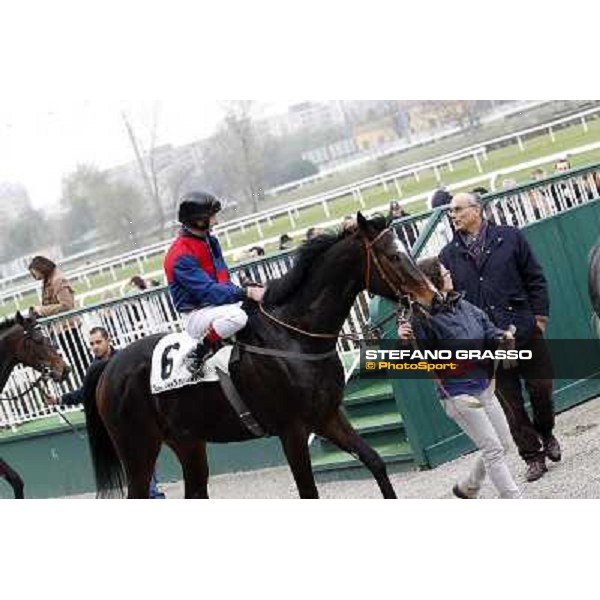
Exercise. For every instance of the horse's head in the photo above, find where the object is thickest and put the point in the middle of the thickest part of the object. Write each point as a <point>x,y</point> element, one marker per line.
<point>594,278</point>
<point>390,271</point>
<point>26,342</point>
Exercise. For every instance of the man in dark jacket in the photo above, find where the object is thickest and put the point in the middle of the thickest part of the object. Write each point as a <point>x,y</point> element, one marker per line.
<point>101,349</point>
<point>496,269</point>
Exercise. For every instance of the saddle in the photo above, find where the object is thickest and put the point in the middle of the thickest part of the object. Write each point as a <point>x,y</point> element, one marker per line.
<point>173,363</point>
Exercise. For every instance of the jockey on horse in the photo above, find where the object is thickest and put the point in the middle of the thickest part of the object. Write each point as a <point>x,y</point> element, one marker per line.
<point>199,282</point>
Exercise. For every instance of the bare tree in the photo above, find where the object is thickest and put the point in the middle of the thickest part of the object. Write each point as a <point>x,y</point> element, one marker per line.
<point>234,156</point>
<point>92,201</point>
<point>148,168</point>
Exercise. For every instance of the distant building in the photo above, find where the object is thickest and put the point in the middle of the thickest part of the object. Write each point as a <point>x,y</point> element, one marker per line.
<point>309,115</point>
<point>332,152</point>
<point>375,133</point>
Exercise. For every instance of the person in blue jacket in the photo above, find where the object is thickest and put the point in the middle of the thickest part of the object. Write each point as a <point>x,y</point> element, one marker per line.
<point>199,283</point>
<point>467,392</point>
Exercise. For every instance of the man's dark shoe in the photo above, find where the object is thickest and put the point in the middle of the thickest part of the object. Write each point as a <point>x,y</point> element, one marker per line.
<point>458,492</point>
<point>535,469</point>
<point>552,449</point>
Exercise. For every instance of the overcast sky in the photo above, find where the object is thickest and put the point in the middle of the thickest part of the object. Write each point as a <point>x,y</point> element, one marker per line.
<point>42,141</point>
<point>67,68</point>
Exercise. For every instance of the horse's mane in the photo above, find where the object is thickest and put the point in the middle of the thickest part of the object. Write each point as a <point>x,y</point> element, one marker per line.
<point>278,290</point>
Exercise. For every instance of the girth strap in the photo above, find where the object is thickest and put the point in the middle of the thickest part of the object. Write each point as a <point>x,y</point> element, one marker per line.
<point>285,353</point>
<point>239,405</point>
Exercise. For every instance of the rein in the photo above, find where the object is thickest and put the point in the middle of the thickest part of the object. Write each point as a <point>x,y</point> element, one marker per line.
<point>36,384</point>
<point>371,328</point>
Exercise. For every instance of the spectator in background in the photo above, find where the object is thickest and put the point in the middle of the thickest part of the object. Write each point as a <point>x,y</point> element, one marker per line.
<point>138,282</point>
<point>313,232</point>
<point>562,165</point>
<point>102,350</point>
<point>348,223</point>
<point>57,293</point>
<point>285,242</point>
<point>407,232</point>
<point>57,298</point>
<point>566,194</point>
<point>256,252</point>
<point>539,197</point>
<point>396,211</point>
<point>441,197</point>
<point>507,208</point>
<point>479,192</point>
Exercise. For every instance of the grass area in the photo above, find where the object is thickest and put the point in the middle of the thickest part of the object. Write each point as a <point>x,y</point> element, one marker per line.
<point>542,145</point>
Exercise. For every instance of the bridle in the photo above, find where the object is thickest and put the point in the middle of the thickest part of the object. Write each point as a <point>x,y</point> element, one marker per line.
<point>42,378</point>
<point>45,371</point>
<point>375,328</point>
<point>371,256</point>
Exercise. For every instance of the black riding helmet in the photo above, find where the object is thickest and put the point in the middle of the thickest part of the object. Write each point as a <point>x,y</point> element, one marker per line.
<point>196,206</point>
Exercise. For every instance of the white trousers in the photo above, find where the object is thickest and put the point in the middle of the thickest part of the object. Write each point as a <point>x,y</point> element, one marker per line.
<point>226,320</point>
<point>482,419</point>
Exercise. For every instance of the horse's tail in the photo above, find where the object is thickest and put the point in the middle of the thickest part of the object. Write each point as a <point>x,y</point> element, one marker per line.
<point>108,469</point>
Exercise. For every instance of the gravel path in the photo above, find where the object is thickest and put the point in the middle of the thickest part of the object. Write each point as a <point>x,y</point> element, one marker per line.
<point>577,476</point>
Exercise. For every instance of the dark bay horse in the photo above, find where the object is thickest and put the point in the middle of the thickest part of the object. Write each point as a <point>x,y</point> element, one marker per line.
<point>22,341</point>
<point>290,397</point>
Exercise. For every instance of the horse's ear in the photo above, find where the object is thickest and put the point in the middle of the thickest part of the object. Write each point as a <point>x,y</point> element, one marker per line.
<point>362,222</point>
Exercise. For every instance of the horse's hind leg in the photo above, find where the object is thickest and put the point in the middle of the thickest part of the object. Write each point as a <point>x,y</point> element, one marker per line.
<point>194,462</point>
<point>138,456</point>
<point>295,445</point>
<point>339,431</point>
<point>13,478</point>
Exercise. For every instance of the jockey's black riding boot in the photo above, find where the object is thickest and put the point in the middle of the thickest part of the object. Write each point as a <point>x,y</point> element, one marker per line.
<point>203,351</point>
<point>197,358</point>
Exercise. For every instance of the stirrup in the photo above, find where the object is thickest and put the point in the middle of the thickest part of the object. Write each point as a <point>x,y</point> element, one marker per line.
<point>195,362</point>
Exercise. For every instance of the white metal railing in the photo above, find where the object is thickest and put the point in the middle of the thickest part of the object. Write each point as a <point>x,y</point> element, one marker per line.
<point>152,312</point>
<point>518,207</point>
<point>402,146</point>
<point>128,320</point>
<point>261,220</point>
<point>487,179</point>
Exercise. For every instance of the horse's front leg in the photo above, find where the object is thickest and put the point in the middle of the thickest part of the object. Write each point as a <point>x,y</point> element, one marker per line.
<point>295,445</point>
<point>339,431</point>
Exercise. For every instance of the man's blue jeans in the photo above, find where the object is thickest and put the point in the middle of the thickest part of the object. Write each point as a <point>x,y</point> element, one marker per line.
<point>155,493</point>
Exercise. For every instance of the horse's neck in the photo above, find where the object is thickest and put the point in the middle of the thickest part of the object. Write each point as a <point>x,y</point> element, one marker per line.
<point>326,297</point>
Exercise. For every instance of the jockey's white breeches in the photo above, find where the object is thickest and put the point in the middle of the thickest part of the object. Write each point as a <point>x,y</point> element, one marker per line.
<point>226,320</point>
